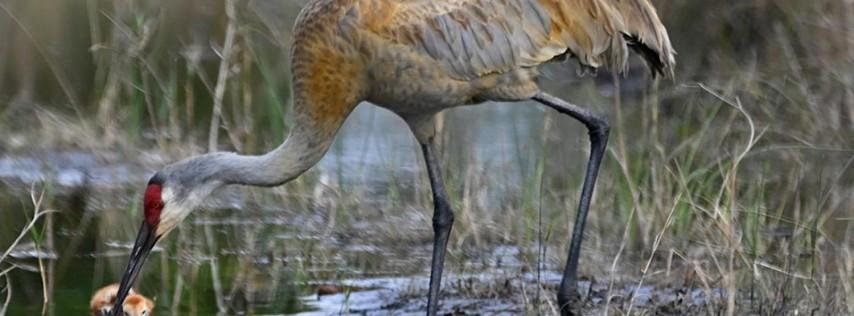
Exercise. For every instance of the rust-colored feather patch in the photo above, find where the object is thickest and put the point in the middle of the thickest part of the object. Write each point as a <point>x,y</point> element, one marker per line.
<point>476,38</point>
<point>331,87</point>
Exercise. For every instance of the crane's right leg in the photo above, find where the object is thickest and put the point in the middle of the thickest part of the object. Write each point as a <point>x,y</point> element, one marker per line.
<point>597,128</point>
<point>443,220</point>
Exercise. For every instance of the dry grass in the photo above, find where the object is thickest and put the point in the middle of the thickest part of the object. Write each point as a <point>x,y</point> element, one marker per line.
<point>29,229</point>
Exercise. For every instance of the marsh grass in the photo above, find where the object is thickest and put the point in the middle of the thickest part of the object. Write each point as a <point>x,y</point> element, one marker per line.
<point>41,233</point>
<point>735,178</point>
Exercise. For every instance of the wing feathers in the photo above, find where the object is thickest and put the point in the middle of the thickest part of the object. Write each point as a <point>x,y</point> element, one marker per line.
<point>473,38</point>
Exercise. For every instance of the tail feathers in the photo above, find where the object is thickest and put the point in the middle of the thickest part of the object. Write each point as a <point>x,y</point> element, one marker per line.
<point>646,35</point>
<point>657,65</point>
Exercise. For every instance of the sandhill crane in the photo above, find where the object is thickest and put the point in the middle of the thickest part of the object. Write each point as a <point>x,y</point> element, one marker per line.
<point>417,58</point>
<point>134,305</point>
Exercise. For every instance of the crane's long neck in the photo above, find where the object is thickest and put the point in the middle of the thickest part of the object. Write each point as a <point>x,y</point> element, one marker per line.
<point>329,81</point>
<point>303,149</point>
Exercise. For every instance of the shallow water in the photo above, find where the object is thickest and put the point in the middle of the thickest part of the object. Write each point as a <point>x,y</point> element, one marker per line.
<point>360,218</point>
<point>96,194</point>
<point>272,264</point>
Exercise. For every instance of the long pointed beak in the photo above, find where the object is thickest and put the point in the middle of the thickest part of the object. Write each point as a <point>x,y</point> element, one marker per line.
<point>145,241</point>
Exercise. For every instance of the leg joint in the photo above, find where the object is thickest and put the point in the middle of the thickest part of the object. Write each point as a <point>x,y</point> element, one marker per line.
<point>443,216</point>
<point>598,126</point>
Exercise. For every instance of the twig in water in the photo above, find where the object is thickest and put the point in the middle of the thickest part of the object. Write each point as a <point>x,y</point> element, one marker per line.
<point>38,214</point>
<point>37,203</point>
<point>655,245</point>
<point>541,253</point>
<point>8,289</point>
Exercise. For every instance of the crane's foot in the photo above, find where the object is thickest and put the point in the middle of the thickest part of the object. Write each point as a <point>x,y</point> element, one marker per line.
<point>570,305</point>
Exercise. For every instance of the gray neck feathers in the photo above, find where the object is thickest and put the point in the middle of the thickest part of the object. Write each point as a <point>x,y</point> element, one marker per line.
<point>298,153</point>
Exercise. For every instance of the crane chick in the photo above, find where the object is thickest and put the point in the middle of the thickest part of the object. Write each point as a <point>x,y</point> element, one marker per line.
<point>135,304</point>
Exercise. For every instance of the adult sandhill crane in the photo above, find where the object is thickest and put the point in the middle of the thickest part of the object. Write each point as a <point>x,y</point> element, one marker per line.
<point>417,58</point>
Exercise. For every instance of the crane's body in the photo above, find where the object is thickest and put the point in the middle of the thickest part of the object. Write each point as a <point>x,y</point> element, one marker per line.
<point>417,58</point>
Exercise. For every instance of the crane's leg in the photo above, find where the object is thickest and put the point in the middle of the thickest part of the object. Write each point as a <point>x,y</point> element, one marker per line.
<point>597,127</point>
<point>443,219</point>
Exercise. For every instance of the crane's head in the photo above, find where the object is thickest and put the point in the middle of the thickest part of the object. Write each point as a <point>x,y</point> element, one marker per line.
<point>171,194</point>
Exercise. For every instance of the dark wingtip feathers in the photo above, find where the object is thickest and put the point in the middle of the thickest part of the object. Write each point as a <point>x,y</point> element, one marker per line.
<point>658,64</point>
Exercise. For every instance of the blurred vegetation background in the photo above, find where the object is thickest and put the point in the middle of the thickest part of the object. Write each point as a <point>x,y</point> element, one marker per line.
<point>737,175</point>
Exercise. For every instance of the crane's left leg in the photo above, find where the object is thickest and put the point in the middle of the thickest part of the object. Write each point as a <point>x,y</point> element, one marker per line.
<point>597,128</point>
<point>443,220</point>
